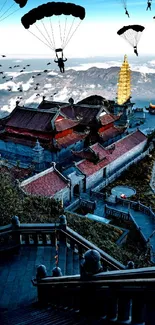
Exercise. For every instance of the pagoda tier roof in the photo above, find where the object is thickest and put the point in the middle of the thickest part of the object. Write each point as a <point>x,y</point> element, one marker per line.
<point>111,153</point>
<point>30,119</point>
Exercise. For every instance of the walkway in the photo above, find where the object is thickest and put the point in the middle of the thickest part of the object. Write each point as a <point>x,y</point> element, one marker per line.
<point>145,222</point>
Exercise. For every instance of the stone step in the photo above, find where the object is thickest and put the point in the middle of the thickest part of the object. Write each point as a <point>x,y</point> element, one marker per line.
<point>47,316</point>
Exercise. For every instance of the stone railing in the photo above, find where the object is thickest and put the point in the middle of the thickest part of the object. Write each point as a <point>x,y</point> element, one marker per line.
<point>87,204</point>
<point>119,297</point>
<point>124,215</point>
<point>116,213</point>
<point>137,206</point>
<point>15,235</point>
<point>75,240</point>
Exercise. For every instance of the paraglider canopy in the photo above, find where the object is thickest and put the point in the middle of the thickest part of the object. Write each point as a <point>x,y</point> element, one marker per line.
<point>131,34</point>
<point>54,23</point>
<point>6,7</point>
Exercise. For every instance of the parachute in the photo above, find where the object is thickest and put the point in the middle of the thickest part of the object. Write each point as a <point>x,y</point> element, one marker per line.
<point>131,34</point>
<point>7,6</point>
<point>54,23</point>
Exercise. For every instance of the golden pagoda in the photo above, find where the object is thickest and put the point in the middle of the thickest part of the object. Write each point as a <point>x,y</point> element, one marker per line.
<point>124,83</point>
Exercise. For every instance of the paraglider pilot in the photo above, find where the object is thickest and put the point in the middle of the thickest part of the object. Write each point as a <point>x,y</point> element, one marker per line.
<point>149,5</point>
<point>60,61</point>
<point>135,50</point>
<point>126,12</point>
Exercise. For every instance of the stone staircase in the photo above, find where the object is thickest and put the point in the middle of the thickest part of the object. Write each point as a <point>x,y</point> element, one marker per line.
<point>37,315</point>
<point>17,270</point>
<point>119,295</point>
<point>69,261</point>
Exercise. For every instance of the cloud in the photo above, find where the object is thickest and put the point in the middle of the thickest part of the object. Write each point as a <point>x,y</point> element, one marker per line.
<point>91,39</point>
<point>103,65</point>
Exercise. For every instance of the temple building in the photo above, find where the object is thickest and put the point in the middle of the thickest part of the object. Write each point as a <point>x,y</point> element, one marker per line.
<point>123,104</point>
<point>37,136</point>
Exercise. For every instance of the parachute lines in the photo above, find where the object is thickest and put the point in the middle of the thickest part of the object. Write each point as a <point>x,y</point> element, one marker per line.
<point>54,9</point>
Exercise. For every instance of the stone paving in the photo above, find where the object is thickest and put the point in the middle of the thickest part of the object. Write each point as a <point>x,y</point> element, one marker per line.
<point>16,272</point>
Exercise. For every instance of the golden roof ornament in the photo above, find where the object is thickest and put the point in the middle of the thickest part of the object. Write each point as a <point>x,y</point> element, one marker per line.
<point>124,83</point>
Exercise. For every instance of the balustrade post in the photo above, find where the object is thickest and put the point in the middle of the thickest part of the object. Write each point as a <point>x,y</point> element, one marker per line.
<point>112,307</point>
<point>62,226</point>
<point>138,310</point>
<point>124,310</point>
<point>42,292</point>
<point>44,239</point>
<point>90,300</point>
<point>35,239</point>
<point>15,226</point>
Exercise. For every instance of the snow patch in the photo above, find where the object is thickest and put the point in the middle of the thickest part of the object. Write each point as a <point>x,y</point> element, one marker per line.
<point>92,86</point>
<point>32,101</point>
<point>47,86</point>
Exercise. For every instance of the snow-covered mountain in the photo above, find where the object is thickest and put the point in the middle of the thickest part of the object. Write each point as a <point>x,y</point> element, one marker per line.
<point>29,86</point>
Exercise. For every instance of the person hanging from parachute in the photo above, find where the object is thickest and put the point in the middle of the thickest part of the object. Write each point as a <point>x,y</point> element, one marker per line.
<point>135,50</point>
<point>126,12</point>
<point>132,34</point>
<point>149,4</point>
<point>8,5</point>
<point>124,3</point>
<point>60,60</point>
<point>58,31</point>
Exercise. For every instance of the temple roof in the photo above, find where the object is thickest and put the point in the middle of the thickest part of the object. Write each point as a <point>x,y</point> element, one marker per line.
<point>108,118</point>
<point>93,153</point>
<point>51,104</point>
<point>111,153</point>
<point>70,139</point>
<point>30,119</point>
<point>85,114</point>
<point>111,132</point>
<point>95,100</point>
<point>62,123</point>
<point>46,183</point>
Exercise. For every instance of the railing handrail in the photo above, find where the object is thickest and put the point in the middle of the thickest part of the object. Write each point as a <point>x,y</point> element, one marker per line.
<point>28,227</point>
<point>144,275</point>
<point>5,229</point>
<point>86,244</point>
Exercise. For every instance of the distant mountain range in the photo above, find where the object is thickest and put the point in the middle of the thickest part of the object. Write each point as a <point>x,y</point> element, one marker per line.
<point>75,84</point>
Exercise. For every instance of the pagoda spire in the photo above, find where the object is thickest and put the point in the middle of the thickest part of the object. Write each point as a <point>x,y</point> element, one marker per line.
<point>124,83</point>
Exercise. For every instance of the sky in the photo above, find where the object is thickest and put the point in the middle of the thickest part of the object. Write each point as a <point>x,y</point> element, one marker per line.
<point>95,36</point>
